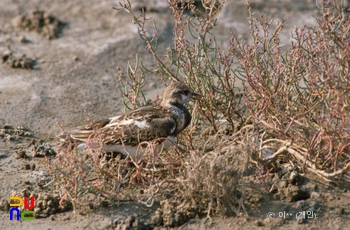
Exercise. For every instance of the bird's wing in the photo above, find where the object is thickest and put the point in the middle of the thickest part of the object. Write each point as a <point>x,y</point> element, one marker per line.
<point>143,124</point>
<point>84,133</point>
<point>95,125</point>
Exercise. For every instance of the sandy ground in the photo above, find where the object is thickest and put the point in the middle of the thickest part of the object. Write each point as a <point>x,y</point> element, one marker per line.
<point>77,71</point>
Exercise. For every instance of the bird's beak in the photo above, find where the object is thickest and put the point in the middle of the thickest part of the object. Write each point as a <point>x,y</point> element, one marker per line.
<point>196,96</point>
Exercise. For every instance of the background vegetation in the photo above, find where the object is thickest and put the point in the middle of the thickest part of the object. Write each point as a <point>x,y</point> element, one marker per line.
<point>263,105</point>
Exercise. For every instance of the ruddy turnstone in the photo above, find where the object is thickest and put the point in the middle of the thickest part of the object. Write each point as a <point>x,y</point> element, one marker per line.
<point>159,123</point>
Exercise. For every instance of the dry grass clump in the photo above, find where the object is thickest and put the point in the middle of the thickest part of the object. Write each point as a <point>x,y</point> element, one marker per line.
<point>212,180</point>
<point>106,175</point>
<point>293,104</point>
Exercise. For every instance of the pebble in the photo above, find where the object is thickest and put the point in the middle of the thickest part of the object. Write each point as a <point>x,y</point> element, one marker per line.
<point>266,221</point>
<point>129,220</point>
<point>157,218</point>
<point>295,178</point>
<point>259,223</point>
<point>75,58</point>
<point>300,220</point>
<point>23,39</point>
<point>314,204</point>
<point>341,211</point>
<point>300,204</point>
<point>314,195</point>
<point>153,85</point>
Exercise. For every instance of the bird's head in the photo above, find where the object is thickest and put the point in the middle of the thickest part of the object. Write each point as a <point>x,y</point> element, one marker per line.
<point>178,93</point>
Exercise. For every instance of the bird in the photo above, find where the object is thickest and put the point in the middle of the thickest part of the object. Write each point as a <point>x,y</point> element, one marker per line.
<point>159,124</point>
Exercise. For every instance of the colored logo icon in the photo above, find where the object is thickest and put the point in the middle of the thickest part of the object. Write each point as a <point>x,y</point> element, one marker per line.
<point>27,213</point>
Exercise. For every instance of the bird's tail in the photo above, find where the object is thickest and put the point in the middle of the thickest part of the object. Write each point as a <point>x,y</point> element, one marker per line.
<point>82,135</point>
<point>75,135</point>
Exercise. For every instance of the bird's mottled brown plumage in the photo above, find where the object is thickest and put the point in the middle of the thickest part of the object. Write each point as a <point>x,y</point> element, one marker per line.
<point>143,124</point>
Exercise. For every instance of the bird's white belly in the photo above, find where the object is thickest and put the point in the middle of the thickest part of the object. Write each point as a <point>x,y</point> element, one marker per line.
<point>133,151</point>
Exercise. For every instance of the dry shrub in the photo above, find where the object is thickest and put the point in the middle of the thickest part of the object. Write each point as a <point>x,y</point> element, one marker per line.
<point>302,95</point>
<point>298,98</point>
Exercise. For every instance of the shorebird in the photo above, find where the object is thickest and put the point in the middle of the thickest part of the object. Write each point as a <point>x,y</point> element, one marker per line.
<point>159,124</point>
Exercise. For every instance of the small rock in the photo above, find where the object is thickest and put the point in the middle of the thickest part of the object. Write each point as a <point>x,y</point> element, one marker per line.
<point>341,211</point>
<point>288,167</point>
<point>5,56</point>
<point>254,200</point>
<point>267,221</point>
<point>157,219</point>
<point>259,223</point>
<point>314,195</point>
<point>140,225</point>
<point>75,58</point>
<point>23,39</point>
<point>180,218</point>
<point>6,126</point>
<point>296,194</point>
<point>191,210</point>
<point>282,184</point>
<point>5,205</point>
<point>300,204</point>
<point>153,85</point>
<point>37,210</point>
<point>25,192</point>
<point>314,204</point>
<point>43,215</point>
<point>117,222</point>
<point>26,166</point>
<point>18,61</point>
<point>129,220</point>
<point>46,197</point>
<point>104,203</point>
<point>296,178</point>
<point>300,220</point>
<point>43,150</point>
<point>21,154</point>
<point>150,6</point>
<point>330,197</point>
<point>49,203</point>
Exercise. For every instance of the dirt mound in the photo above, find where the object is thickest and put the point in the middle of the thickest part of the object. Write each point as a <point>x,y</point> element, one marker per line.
<point>41,22</point>
<point>18,61</point>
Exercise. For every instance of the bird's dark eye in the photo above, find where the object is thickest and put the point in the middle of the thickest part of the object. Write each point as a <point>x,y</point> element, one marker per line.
<point>186,91</point>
